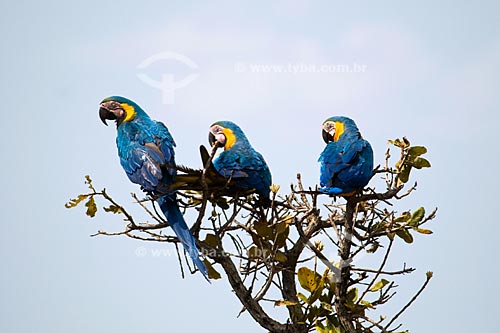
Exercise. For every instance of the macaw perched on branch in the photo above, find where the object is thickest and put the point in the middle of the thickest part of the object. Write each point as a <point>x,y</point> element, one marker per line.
<point>146,150</point>
<point>244,168</point>
<point>347,160</point>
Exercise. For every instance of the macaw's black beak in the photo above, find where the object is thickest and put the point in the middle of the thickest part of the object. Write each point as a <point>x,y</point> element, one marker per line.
<point>105,114</point>
<point>211,139</point>
<point>327,137</point>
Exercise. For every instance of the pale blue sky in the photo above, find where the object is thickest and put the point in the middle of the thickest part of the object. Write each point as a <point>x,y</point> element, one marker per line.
<point>432,73</point>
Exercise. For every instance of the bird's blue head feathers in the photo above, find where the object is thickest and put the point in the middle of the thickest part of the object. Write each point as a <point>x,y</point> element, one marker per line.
<point>226,133</point>
<point>337,127</point>
<point>120,109</point>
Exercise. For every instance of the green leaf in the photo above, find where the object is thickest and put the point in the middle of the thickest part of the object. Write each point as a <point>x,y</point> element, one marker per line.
<point>404,174</point>
<point>211,240</point>
<point>91,207</point>
<point>308,279</point>
<point>280,257</point>
<point>417,151</point>
<point>281,227</point>
<point>328,307</point>
<point>367,304</point>
<point>321,328</point>
<point>352,295</point>
<point>262,229</point>
<point>373,248</point>
<point>316,294</point>
<point>72,203</point>
<point>379,226</point>
<point>280,241</point>
<point>303,298</point>
<point>212,273</point>
<point>405,235</point>
<point>332,319</point>
<point>417,217</point>
<point>313,313</point>
<point>379,285</point>
<point>420,163</point>
<point>258,253</point>
<point>113,209</point>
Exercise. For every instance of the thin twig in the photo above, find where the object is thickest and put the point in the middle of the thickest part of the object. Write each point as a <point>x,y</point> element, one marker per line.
<point>428,278</point>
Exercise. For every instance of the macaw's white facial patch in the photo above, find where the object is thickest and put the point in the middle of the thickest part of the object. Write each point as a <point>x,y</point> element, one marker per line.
<point>218,133</point>
<point>329,127</point>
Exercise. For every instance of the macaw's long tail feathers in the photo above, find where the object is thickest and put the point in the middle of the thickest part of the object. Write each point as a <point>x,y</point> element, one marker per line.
<point>191,179</point>
<point>185,169</point>
<point>185,178</point>
<point>169,207</point>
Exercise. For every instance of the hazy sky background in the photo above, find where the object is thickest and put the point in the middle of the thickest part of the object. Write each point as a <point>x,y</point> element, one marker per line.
<point>431,73</point>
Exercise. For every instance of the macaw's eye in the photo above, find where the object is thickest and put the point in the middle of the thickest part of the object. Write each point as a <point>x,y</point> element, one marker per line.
<point>115,106</point>
<point>329,127</point>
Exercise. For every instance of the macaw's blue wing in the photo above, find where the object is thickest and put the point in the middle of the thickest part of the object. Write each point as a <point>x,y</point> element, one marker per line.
<point>247,170</point>
<point>144,159</point>
<point>346,168</point>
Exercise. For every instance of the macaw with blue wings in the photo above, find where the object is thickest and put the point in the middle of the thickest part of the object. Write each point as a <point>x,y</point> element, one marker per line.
<point>146,151</point>
<point>347,160</point>
<point>243,166</point>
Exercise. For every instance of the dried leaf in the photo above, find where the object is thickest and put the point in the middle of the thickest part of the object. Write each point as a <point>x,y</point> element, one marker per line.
<point>88,181</point>
<point>72,203</point>
<point>423,231</point>
<point>285,303</point>
<point>91,207</point>
<point>308,279</point>
<point>274,188</point>
<point>113,209</point>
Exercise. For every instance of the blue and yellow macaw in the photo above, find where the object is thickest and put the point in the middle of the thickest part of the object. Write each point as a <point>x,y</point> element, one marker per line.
<point>146,150</point>
<point>239,162</point>
<point>347,160</point>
